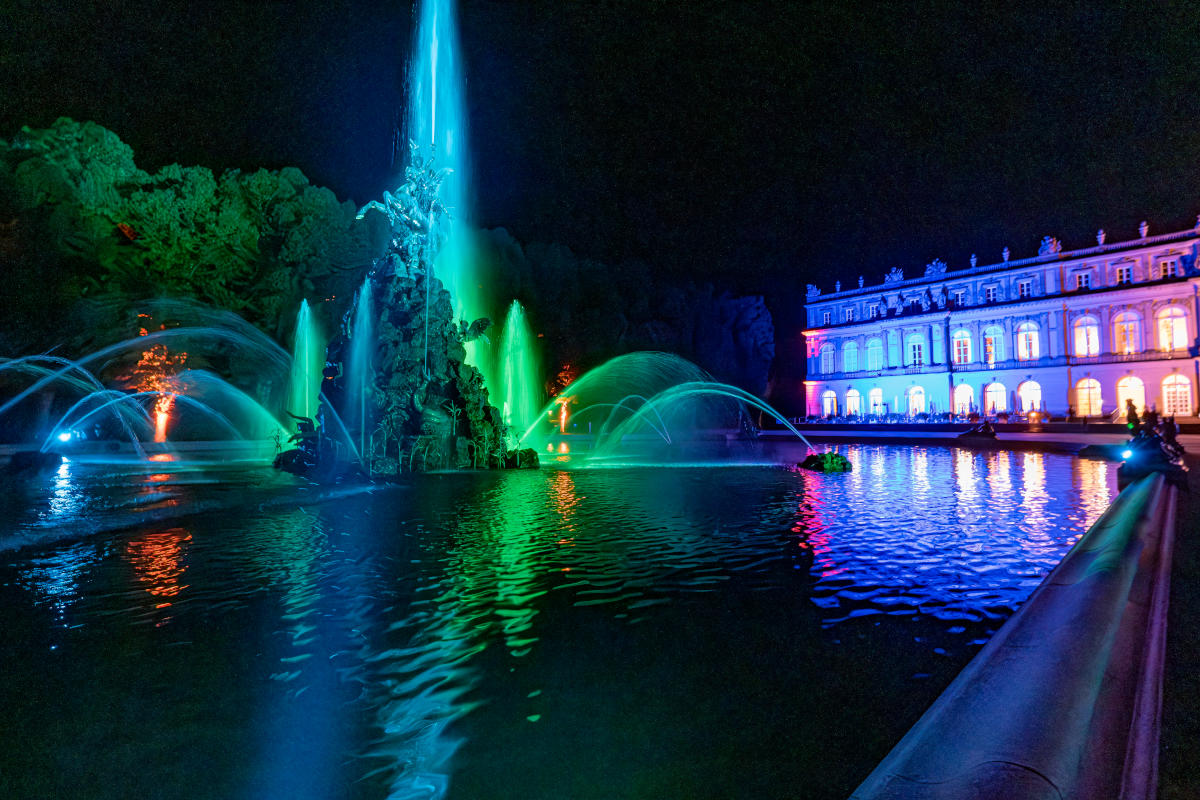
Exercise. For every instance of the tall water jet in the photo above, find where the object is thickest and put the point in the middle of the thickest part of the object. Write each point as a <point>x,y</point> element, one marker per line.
<point>437,125</point>
<point>518,371</point>
<point>358,369</point>
<point>308,362</point>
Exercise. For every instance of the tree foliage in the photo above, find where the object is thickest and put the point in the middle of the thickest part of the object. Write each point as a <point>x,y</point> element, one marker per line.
<point>255,243</point>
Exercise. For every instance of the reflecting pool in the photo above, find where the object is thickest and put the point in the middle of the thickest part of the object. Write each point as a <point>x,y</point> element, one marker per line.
<point>749,631</point>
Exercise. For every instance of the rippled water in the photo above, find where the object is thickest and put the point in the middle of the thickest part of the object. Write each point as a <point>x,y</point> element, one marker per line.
<point>749,631</point>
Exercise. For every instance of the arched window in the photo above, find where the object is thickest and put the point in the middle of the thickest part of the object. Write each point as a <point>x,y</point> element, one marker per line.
<point>1087,336</point>
<point>1030,395</point>
<point>1127,333</point>
<point>853,403</point>
<point>916,350</point>
<point>875,354</point>
<point>1172,329</point>
<point>916,400</point>
<point>875,401</point>
<point>850,356</point>
<point>993,344</point>
<point>827,357</point>
<point>1177,396</point>
<point>1087,398</point>
<point>960,342</point>
<point>995,398</point>
<point>829,403</point>
<point>964,398</point>
<point>1027,341</point>
<point>1131,388</point>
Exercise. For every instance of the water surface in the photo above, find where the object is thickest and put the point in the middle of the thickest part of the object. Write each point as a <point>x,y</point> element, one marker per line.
<point>751,631</point>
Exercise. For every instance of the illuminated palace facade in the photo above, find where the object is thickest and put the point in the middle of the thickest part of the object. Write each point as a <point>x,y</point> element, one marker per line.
<point>1079,331</point>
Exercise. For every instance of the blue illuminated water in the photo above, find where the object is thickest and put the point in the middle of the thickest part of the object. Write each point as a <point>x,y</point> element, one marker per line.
<point>752,631</point>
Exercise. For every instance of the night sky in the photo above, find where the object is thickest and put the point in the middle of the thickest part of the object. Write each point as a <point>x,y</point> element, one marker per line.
<point>762,144</point>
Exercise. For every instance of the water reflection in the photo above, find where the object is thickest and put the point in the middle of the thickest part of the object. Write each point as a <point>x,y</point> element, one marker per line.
<point>56,576</point>
<point>497,627</point>
<point>66,497</point>
<point>904,543</point>
<point>158,561</point>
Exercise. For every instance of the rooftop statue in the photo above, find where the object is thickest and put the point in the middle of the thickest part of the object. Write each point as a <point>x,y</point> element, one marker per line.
<point>935,268</point>
<point>895,276</point>
<point>1005,253</point>
<point>974,260</point>
<point>1100,234</point>
<point>1049,246</point>
<point>1144,228</point>
<point>813,291</point>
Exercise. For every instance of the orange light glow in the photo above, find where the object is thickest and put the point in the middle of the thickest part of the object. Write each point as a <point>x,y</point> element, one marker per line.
<point>563,402</point>
<point>155,372</point>
<point>562,447</point>
<point>157,560</point>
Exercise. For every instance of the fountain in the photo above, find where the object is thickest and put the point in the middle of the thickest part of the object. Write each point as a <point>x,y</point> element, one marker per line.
<point>518,385</point>
<point>437,126</point>
<point>308,362</point>
<point>643,402</point>
<point>359,375</point>
<point>115,394</point>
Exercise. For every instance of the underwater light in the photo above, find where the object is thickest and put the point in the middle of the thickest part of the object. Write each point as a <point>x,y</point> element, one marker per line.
<point>1126,454</point>
<point>65,436</point>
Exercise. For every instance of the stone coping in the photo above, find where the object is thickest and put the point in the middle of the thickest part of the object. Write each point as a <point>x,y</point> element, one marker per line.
<point>1065,700</point>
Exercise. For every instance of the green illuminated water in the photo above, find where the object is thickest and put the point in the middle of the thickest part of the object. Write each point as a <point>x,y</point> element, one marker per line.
<point>518,368</point>
<point>308,362</point>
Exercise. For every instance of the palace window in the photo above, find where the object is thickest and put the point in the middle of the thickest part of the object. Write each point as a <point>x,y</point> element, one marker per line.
<point>916,351</point>
<point>1024,288</point>
<point>850,356</point>
<point>1124,274</point>
<point>1030,395</point>
<point>960,298</point>
<point>853,403</point>
<point>1168,268</point>
<point>990,294</point>
<point>964,399</point>
<point>961,343</point>
<point>829,403</point>
<point>828,317</point>
<point>1088,401</point>
<point>875,400</point>
<point>875,354</point>
<point>1127,333</point>
<point>1172,329</point>
<point>849,315</point>
<point>1131,388</point>
<point>993,344</point>
<point>916,400</point>
<point>1177,396</point>
<point>1083,280</point>
<point>827,357</point>
<point>995,398</point>
<point>1087,337</point>
<point>873,311</point>
<point>1027,341</point>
